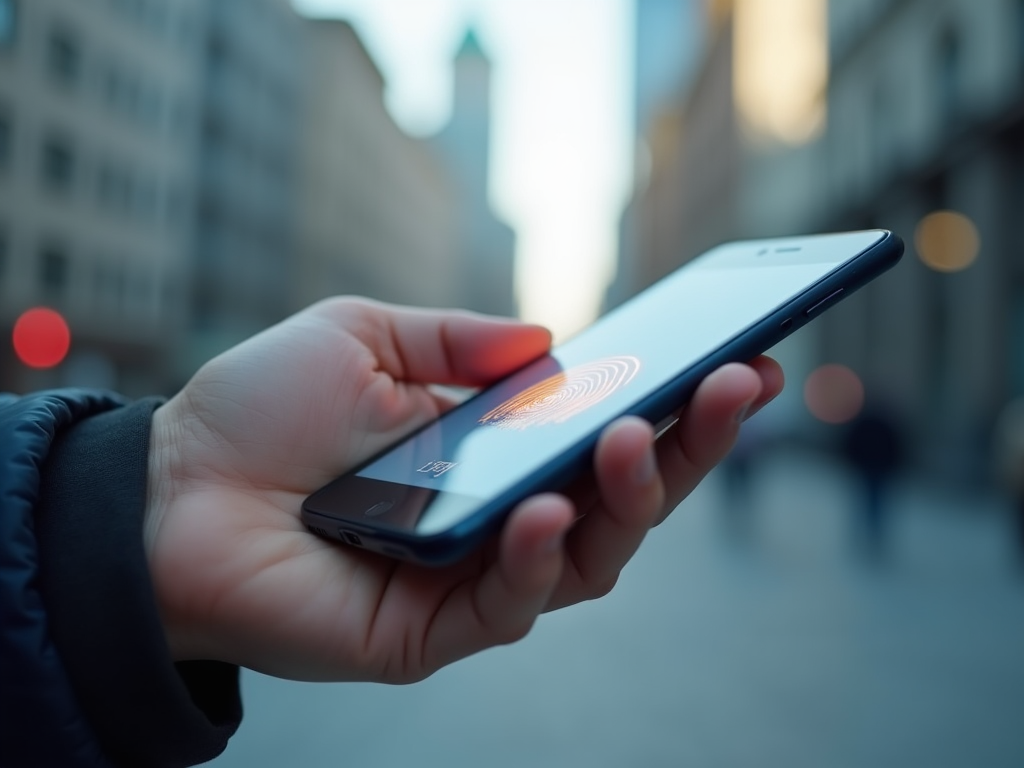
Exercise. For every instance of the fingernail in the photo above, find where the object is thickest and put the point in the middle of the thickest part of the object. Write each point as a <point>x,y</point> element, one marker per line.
<point>552,543</point>
<point>643,472</point>
<point>742,413</point>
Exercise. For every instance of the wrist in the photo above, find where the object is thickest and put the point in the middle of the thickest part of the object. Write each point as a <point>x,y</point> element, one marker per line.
<point>162,472</point>
<point>163,476</point>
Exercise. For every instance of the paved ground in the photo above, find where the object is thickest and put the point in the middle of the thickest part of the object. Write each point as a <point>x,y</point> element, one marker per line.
<point>762,642</point>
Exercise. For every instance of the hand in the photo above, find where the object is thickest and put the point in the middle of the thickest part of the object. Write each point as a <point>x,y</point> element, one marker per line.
<point>233,455</point>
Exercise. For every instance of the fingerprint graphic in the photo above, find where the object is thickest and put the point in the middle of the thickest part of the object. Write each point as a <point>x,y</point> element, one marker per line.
<point>562,396</point>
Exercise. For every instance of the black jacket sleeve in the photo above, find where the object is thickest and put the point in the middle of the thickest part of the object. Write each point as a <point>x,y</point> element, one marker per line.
<point>100,611</point>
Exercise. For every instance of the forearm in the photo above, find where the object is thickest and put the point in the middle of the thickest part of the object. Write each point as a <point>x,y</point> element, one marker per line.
<point>104,617</point>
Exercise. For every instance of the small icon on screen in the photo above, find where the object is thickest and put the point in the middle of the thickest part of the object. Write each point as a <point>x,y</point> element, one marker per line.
<point>436,468</point>
<point>560,397</point>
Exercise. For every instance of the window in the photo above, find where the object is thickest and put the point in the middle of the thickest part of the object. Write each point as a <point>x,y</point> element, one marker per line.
<point>58,165</point>
<point>950,78</point>
<point>175,207</point>
<point>64,56</point>
<point>140,292</point>
<point>132,95</point>
<point>112,85</point>
<point>8,22</point>
<point>99,280</point>
<point>1016,341</point>
<point>117,288</point>
<point>185,33</point>
<point>1018,28</point>
<point>53,269</point>
<point>145,197</point>
<point>216,50</point>
<point>213,130</point>
<point>161,20</point>
<point>4,249</point>
<point>107,283</point>
<point>6,138</point>
<point>150,104</point>
<point>882,116</point>
<point>179,119</point>
<point>116,188</point>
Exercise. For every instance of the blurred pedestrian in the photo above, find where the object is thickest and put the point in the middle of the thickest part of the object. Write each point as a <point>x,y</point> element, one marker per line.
<point>1008,453</point>
<point>738,471</point>
<point>872,445</point>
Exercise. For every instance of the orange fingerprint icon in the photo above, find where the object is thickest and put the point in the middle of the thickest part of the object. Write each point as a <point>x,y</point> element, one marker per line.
<point>562,396</point>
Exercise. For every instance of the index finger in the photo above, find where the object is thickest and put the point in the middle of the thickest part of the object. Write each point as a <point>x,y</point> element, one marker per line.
<point>710,422</point>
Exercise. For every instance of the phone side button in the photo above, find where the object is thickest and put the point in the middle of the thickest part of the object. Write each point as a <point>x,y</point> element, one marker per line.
<point>824,304</point>
<point>378,509</point>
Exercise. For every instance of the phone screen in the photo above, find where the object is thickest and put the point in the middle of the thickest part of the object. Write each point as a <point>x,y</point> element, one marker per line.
<point>488,445</point>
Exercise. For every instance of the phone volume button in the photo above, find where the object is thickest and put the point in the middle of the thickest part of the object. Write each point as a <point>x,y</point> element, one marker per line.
<point>824,304</point>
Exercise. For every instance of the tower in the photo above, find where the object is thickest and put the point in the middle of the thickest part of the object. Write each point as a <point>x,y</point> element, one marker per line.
<point>486,243</point>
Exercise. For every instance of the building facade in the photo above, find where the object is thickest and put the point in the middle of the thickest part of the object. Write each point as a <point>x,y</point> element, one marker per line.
<point>377,214</point>
<point>925,126</point>
<point>668,43</point>
<point>176,175</point>
<point>253,60</point>
<point>927,105</point>
<point>690,199</point>
<point>98,105</point>
<point>486,245</point>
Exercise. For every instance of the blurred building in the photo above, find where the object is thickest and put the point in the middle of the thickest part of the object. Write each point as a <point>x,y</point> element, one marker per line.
<point>668,41</point>
<point>927,115</point>
<point>253,59</point>
<point>727,152</point>
<point>904,114</point>
<point>691,199</point>
<point>97,126</point>
<point>486,245</point>
<point>377,210</point>
<point>717,144</point>
<point>176,175</point>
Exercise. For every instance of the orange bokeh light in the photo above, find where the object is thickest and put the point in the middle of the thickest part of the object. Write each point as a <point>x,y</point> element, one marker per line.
<point>947,241</point>
<point>834,394</point>
<point>41,338</point>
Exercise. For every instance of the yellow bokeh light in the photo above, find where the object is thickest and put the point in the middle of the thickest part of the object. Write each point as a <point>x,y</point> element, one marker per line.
<point>781,67</point>
<point>947,241</point>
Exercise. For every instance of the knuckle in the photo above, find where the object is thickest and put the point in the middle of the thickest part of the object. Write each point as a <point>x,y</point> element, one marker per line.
<point>345,306</point>
<point>603,587</point>
<point>513,633</point>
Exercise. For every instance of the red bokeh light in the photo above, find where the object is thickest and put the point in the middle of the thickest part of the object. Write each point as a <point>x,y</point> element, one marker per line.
<point>41,338</point>
<point>834,394</point>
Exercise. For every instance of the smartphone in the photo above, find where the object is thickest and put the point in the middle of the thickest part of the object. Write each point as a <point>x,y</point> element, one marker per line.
<point>433,497</point>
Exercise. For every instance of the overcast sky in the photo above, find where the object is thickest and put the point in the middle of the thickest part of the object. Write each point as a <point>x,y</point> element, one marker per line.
<point>562,147</point>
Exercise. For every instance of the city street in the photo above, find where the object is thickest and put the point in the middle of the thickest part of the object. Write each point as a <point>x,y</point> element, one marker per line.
<point>179,176</point>
<point>756,641</point>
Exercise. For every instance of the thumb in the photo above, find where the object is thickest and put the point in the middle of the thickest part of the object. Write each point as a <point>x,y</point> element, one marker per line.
<point>440,346</point>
